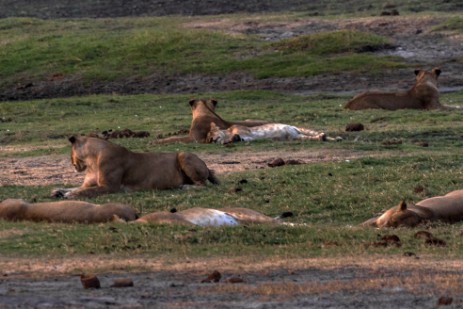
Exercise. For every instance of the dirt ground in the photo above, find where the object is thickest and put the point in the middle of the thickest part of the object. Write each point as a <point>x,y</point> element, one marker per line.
<point>373,282</point>
<point>370,282</point>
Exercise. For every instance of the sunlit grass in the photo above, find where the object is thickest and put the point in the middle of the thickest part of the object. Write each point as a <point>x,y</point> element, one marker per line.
<point>329,198</point>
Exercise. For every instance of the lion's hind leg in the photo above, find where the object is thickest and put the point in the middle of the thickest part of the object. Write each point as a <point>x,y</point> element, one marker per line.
<point>195,169</point>
<point>305,133</point>
<point>61,192</point>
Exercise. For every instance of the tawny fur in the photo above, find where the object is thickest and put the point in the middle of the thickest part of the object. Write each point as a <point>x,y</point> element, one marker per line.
<point>276,131</point>
<point>423,95</point>
<point>203,113</point>
<point>209,217</point>
<point>112,168</point>
<point>64,211</point>
<point>447,209</point>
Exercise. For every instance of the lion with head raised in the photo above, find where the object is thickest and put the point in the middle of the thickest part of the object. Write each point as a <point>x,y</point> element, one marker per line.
<point>203,114</point>
<point>423,95</point>
<point>112,168</point>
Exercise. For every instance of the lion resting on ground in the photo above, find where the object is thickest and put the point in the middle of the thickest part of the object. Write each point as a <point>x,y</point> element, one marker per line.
<point>423,95</point>
<point>65,211</point>
<point>203,113</point>
<point>275,131</point>
<point>112,168</point>
<point>211,217</point>
<point>447,208</point>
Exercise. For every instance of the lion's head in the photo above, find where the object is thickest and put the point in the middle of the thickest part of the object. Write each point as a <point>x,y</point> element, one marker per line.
<point>77,157</point>
<point>215,135</point>
<point>423,76</point>
<point>200,105</point>
<point>397,216</point>
<point>218,136</point>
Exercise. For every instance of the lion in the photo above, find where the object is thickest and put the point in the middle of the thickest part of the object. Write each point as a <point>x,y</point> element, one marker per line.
<point>112,168</point>
<point>447,209</point>
<point>275,131</point>
<point>212,217</point>
<point>203,113</point>
<point>65,211</point>
<point>423,95</point>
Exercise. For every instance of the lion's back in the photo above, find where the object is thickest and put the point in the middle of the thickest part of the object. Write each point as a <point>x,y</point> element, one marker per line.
<point>389,101</point>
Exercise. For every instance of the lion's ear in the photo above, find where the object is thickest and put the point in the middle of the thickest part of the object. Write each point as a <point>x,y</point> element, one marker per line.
<point>417,71</point>
<point>213,101</point>
<point>403,206</point>
<point>213,125</point>
<point>436,71</point>
<point>72,139</point>
<point>192,102</point>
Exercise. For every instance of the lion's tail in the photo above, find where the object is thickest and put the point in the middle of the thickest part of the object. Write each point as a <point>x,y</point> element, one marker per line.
<point>213,178</point>
<point>287,214</point>
<point>283,215</point>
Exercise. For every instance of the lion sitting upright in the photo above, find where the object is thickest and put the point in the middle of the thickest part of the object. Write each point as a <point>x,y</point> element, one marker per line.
<point>423,95</point>
<point>203,113</point>
<point>112,168</point>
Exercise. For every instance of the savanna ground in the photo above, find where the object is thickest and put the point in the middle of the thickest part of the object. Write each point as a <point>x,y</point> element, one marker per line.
<point>330,262</point>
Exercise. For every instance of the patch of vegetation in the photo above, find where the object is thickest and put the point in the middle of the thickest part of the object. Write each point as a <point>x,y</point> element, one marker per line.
<point>49,122</point>
<point>451,24</point>
<point>330,199</point>
<point>104,50</point>
<point>333,42</point>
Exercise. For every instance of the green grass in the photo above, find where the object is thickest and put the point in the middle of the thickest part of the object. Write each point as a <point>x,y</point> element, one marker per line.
<point>330,198</point>
<point>332,42</point>
<point>451,24</point>
<point>116,49</point>
<point>50,121</point>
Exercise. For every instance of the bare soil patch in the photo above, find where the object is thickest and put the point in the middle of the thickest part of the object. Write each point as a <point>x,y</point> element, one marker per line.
<point>409,282</point>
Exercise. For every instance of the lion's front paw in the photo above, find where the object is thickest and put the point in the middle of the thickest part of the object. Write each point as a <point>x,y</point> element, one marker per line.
<point>57,193</point>
<point>60,193</point>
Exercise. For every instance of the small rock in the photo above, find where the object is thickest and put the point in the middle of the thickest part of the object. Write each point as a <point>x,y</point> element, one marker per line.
<point>392,142</point>
<point>352,127</point>
<point>234,280</point>
<point>444,301</point>
<point>410,254</point>
<point>122,283</point>
<point>276,162</point>
<point>422,144</point>
<point>293,162</point>
<point>423,235</point>
<point>436,242</point>
<point>90,281</point>
<point>213,277</point>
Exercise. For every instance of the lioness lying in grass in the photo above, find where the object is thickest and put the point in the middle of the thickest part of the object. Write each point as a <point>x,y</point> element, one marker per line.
<point>275,131</point>
<point>423,95</point>
<point>65,211</point>
<point>112,168</point>
<point>212,217</point>
<point>447,208</point>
